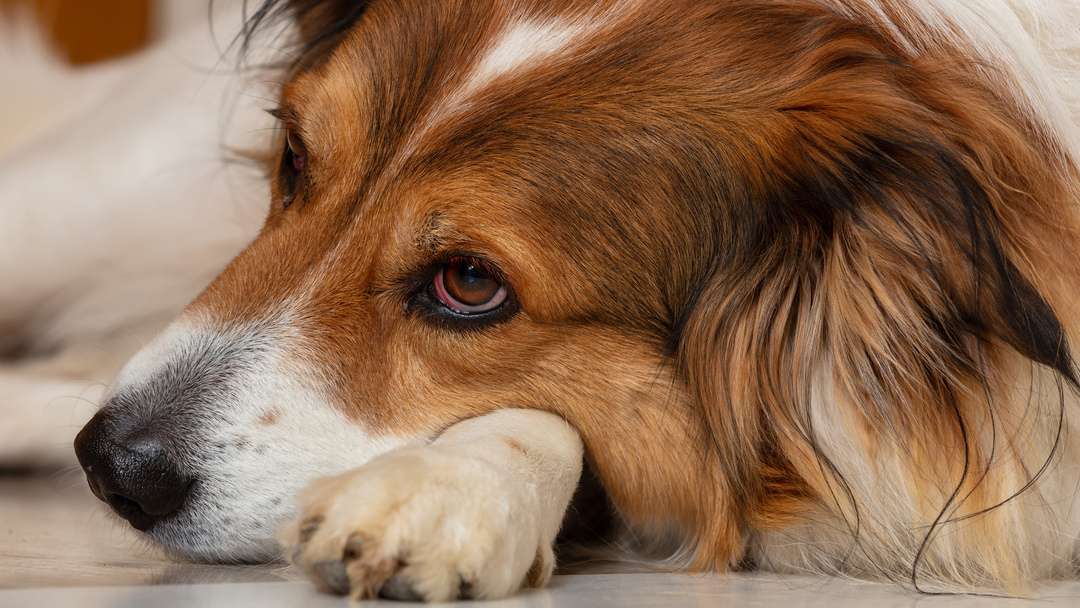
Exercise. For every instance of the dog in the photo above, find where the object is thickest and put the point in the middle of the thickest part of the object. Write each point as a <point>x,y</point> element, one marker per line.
<point>779,284</point>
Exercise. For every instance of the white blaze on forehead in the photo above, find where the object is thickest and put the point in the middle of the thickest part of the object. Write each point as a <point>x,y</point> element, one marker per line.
<point>523,45</point>
<point>527,42</point>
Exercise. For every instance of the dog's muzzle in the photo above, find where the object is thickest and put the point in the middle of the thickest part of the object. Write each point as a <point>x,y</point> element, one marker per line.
<point>131,471</point>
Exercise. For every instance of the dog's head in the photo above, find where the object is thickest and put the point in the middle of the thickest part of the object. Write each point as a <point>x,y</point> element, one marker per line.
<point>628,213</point>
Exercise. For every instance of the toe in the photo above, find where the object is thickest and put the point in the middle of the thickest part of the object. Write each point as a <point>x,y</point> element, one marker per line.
<point>368,574</point>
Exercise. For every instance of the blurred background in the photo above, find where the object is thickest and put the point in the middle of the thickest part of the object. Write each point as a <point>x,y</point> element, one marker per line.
<point>144,152</point>
<point>85,31</point>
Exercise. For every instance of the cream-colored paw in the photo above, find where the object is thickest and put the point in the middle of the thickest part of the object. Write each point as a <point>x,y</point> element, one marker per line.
<point>425,523</point>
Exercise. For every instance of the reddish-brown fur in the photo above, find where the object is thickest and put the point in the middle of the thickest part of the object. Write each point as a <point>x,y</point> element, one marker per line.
<point>698,228</point>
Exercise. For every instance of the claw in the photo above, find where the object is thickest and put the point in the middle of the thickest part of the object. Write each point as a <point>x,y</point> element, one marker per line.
<point>397,588</point>
<point>368,577</point>
<point>537,574</point>
<point>331,577</point>
<point>465,589</point>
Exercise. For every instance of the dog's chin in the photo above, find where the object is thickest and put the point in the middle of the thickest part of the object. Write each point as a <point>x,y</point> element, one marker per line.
<point>205,532</point>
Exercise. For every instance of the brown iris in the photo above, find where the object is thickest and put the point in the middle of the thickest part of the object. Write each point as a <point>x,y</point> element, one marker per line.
<point>466,287</point>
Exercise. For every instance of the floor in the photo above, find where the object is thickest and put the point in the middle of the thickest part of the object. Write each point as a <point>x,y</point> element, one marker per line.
<point>58,548</point>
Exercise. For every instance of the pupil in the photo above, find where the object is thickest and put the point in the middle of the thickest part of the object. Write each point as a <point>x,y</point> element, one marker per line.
<point>471,274</point>
<point>470,284</point>
<point>473,282</point>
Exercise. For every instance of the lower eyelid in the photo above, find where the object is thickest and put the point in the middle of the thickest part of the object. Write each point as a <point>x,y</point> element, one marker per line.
<point>441,294</point>
<point>426,305</point>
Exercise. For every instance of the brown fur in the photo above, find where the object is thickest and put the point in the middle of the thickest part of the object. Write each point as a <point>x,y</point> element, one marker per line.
<point>698,228</point>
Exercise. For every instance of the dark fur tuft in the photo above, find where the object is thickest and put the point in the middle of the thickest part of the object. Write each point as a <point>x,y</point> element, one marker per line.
<point>321,23</point>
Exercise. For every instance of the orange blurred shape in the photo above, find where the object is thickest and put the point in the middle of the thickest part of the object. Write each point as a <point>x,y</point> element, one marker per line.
<point>91,30</point>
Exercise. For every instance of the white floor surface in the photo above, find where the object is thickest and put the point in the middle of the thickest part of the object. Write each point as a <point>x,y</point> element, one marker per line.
<point>58,548</point>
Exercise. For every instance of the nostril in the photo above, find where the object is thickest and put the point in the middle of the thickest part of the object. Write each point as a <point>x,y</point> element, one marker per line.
<point>130,510</point>
<point>146,492</point>
<point>135,476</point>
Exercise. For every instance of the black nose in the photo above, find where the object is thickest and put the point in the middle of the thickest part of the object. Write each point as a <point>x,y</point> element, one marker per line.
<point>133,473</point>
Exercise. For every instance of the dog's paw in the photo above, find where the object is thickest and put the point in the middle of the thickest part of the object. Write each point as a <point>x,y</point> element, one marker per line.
<point>422,524</point>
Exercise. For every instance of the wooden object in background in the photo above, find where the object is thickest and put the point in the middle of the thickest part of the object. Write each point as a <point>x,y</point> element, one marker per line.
<point>91,30</point>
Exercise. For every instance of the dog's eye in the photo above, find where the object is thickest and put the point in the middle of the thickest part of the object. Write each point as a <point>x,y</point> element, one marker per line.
<point>467,288</point>
<point>295,150</point>
<point>293,161</point>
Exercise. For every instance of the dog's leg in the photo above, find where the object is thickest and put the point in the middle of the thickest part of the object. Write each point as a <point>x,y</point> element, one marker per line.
<point>41,410</point>
<point>46,398</point>
<point>473,514</point>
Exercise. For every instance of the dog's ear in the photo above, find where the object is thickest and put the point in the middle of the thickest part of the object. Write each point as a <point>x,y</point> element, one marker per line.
<point>899,259</point>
